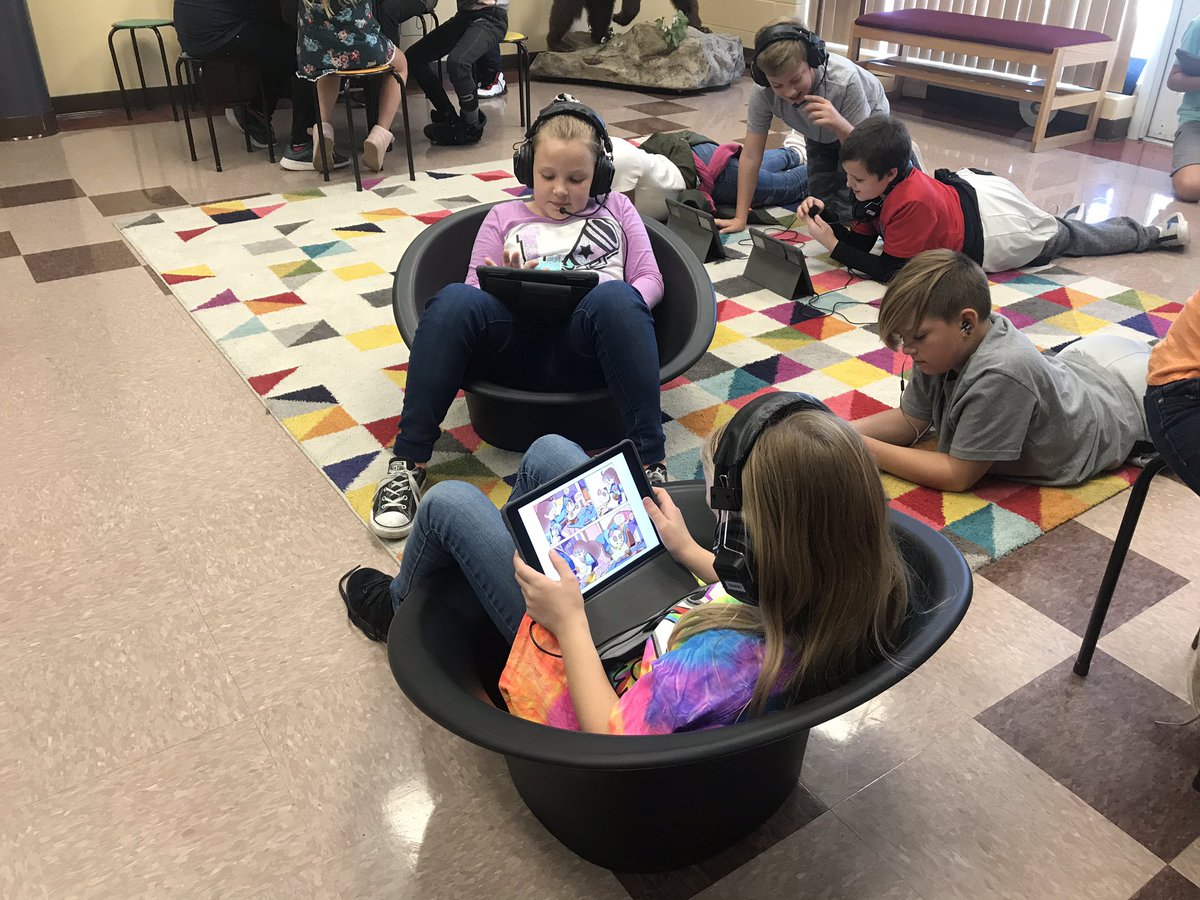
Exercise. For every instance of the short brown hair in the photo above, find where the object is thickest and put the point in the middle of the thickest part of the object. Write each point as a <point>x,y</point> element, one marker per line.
<point>780,56</point>
<point>935,284</point>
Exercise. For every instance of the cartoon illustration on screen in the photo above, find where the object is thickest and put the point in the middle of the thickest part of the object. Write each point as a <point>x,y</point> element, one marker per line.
<point>622,538</point>
<point>585,557</point>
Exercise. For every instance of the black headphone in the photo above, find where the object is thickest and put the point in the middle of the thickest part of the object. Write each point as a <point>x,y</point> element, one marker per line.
<point>870,209</point>
<point>814,47</point>
<point>734,563</point>
<point>565,104</point>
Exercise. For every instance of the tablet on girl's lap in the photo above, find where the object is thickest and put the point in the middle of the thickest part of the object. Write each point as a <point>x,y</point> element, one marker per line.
<point>544,295</point>
<point>593,518</point>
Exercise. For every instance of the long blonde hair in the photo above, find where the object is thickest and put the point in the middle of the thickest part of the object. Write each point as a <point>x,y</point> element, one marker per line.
<point>566,127</point>
<point>832,587</point>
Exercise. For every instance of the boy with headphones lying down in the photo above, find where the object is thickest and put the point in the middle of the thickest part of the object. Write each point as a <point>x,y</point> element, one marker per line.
<point>821,96</point>
<point>984,216</point>
<point>996,404</point>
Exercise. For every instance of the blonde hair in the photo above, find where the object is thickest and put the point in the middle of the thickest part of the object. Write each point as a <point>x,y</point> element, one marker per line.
<point>780,56</point>
<point>832,587</point>
<point>567,128</point>
<point>937,284</point>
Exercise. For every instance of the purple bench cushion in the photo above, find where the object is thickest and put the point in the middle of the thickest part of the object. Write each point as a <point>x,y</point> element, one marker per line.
<point>981,29</point>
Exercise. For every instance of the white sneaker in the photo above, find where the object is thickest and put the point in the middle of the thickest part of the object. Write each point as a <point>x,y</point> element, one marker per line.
<point>1173,232</point>
<point>498,88</point>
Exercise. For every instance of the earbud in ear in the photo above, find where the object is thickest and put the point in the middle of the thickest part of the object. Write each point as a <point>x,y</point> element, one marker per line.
<point>965,327</point>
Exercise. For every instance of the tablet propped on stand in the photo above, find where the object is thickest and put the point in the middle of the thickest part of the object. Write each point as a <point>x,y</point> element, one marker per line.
<point>778,266</point>
<point>543,295</point>
<point>593,518</point>
<point>697,228</point>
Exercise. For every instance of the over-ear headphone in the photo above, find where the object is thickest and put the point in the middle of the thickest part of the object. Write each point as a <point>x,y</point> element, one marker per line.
<point>567,105</point>
<point>814,47</point>
<point>870,209</point>
<point>734,563</point>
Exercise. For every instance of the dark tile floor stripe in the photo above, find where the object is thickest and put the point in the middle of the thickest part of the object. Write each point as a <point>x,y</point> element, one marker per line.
<point>1098,737</point>
<point>71,262</point>
<point>661,108</point>
<point>1060,572</point>
<point>41,192</point>
<point>162,286</point>
<point>647,125</point>
<point>123,202</point>
<point>798,810</point>
<point>8,245</point>
<point>1168,885</point>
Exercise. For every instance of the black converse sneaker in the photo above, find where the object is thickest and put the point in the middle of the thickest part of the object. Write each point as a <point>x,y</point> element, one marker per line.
<point>656,474</point>
<point>368,598</point>
<point>396,499</point>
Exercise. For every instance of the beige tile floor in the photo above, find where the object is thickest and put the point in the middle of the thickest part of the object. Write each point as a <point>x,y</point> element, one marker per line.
<point>184,710</point>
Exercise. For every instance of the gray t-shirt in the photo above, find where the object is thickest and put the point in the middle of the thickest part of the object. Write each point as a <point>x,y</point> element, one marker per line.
<point>1051,421</point>
<point>853,91</point>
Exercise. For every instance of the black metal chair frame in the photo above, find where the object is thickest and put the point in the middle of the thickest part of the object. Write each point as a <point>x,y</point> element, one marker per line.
<point>1116,561</point>
<point>190,70</point>
<point>348,82</point>
<point>133,30</point>
<point>522,80</point>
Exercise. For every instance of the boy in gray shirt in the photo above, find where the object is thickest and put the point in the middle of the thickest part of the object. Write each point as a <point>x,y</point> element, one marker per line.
<point>995,402</point>
<point>823,97</point>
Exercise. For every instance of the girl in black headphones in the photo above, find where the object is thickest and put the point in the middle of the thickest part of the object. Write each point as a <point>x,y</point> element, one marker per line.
<point>571,220</point>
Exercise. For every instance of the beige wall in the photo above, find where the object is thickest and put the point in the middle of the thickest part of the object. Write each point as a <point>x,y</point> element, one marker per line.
<point>71,33</point>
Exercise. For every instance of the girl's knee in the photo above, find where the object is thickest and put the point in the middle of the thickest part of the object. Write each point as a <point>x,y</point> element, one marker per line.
<point>550,445</point>
<point>447,498</point>
<point>456,301</point>
<point>613,297</point>
<point>1186,183</point>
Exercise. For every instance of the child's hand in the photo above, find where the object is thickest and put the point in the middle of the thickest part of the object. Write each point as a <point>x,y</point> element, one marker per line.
<point>668,521</point>
<point>512,260</point>
<point>821,112</point>
<point>730,226</point>
<point>555,605</point>
<point>808,207</point>
<point>821,232</point>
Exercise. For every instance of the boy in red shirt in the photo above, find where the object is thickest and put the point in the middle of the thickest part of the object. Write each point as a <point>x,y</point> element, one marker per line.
<point>969,211</point>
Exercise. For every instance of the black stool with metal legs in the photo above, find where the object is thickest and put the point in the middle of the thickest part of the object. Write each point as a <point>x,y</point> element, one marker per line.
<point>518,40</point>
<point>189,70</point>
<point>1116,560</point>
<point>350,78</point>
<point>132,26</point>
<point>425,32</point>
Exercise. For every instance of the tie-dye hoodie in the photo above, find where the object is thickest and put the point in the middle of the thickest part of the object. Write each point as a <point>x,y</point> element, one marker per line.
<point>705,682</point>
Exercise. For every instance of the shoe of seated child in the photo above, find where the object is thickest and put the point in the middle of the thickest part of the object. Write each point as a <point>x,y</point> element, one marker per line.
<point>368,598</point>
<point>299,158</point>
<point>498,87</point>
<point>260,135</point>
<point>456,133</point>
<point>1173,232</point>
<point>376,146</point>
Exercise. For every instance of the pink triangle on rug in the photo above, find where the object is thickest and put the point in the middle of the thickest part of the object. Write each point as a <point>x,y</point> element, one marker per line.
<point>225,298</point>
<point>261,211</point>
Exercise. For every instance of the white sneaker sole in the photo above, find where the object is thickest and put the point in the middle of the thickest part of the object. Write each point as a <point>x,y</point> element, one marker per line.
<point>389,534</point>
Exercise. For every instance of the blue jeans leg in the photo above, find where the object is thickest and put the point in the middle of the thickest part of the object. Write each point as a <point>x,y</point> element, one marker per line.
<point>460,324</point>
<point>1173,419</point>
<point>457,526</point>
<point>613,326</point>
<point>782,178</point>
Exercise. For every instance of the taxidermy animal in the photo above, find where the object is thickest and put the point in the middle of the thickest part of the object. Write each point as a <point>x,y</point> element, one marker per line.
<point>600,17</point>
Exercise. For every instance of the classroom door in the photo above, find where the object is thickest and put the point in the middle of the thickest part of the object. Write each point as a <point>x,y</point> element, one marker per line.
<point>1165,117</point>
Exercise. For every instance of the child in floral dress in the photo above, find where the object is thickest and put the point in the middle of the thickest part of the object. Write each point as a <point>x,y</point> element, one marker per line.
<point>334,36</point>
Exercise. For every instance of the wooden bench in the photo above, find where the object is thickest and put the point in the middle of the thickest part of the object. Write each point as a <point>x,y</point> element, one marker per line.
<point>1051,48</point>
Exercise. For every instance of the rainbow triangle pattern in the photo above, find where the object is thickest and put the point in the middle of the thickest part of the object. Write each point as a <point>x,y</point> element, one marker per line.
<point>296,290</point>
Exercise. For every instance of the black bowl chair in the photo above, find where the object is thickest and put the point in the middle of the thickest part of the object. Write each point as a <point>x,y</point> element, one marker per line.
<point>650,803</point>
<point>511,418</point>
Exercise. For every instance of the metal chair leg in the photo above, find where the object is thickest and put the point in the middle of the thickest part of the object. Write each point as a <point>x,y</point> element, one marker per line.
<point>523,84</point>
<point>412,175</point>
<point>319,135</point>
<point>262,98</point>
<point>162,50</point>
<point>212,132</point>
<point>242,106</point>
<point>117,68</point>
<point>1116,560</point>
<point>181,67</point>
<point>137,55</point>
<point>347,83</point>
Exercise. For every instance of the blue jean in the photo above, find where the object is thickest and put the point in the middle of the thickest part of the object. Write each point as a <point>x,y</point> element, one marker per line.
<point>457,526</point>
<point>782,178</point>
<point>609,340</point>
<point>1173,419</point>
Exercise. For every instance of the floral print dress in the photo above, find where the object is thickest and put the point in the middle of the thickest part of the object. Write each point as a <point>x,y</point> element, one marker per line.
<point>348,39</point>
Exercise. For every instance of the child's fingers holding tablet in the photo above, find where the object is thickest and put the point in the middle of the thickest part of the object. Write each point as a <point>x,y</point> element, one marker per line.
<point>552,603</point>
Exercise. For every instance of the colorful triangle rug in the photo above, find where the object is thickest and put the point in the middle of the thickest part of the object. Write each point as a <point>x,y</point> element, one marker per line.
<point>295,289</point>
